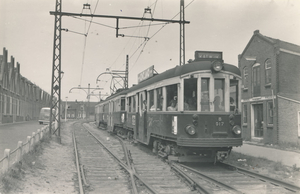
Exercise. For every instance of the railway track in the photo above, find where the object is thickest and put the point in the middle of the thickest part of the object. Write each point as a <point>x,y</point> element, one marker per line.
<point>229,179</point>
<point>98,171</point>
<point>137,171</point>
<point>116,168</point>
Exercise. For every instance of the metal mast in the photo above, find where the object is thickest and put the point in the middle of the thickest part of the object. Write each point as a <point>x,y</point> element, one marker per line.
<point>126,73</point>
<point>56,72</point>
<point>182,35</point>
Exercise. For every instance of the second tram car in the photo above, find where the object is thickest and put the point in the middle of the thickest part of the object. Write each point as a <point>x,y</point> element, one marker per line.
<point>188,113</point>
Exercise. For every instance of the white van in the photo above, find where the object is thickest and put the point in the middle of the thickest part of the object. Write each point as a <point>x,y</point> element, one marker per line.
<point>44,117</point>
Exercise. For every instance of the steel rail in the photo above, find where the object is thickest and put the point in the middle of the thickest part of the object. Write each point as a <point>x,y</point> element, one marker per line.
<point>83,176</point>
<point>229,188</point>
<point>77,163</point>
<point>286,185</point>
<point>129,165</point>
<point>191,181</point>
<point>124,165</point>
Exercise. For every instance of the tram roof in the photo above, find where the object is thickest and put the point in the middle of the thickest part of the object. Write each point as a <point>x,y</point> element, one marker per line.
<point>178,71</point>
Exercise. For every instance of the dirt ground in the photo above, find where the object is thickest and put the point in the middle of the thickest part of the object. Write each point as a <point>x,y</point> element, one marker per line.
<point>54,171</point>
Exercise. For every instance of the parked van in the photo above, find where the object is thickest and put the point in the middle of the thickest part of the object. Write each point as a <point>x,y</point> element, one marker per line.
<point>44,117</point>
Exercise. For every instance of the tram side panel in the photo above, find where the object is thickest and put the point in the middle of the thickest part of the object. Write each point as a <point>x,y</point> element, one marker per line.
<point>131,123</point>
<point>159,125</point>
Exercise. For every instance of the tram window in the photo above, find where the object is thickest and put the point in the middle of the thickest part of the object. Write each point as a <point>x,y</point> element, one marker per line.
<point>133,104</point>
<point>205,106</point>
<point>219,95</point>
<point>129,104</point>
<point>141,101</point>
<point>159,99</point>
<point>233,95</point>
<point>190,94</point>
<point>114,106</point>
<point>151,100</point>
<point>144,102</point>
<point>122,103</point>
<point>172,97</point>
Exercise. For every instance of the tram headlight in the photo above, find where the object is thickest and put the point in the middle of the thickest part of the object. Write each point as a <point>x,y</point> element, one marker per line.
<point>217,66</point>
<point>237,130</point>
<point>190,130</point>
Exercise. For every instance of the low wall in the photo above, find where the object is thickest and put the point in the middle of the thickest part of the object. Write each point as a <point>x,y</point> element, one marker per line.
<point>12,157</point>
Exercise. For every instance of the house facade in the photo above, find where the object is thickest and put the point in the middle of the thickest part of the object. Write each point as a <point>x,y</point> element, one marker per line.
<point>270,90</point>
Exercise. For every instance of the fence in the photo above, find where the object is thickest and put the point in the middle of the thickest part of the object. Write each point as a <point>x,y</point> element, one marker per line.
<point>12,157</point>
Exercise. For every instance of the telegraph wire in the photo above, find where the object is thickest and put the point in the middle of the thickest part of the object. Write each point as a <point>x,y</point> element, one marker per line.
<point>86,34</point>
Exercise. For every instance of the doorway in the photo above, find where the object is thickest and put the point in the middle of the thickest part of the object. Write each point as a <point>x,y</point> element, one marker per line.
<point>258,120</point>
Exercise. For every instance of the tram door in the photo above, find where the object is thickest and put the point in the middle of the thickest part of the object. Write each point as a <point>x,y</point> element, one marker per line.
<point>110,115</point>
<point>142,126</point>
<point>258,120</point>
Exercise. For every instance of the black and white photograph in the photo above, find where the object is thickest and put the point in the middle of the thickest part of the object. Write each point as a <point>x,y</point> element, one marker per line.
<point>149,96</point>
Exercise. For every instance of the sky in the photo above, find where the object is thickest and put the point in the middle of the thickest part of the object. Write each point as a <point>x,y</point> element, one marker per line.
<point>90,50</point>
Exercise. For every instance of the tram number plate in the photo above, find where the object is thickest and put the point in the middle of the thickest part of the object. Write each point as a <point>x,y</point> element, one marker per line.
<point>219,123</point>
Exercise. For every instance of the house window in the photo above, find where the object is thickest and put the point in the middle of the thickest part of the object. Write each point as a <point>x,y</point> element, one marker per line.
<point>1,103</point>
<point>270,113</point>
<point>245,114</point>
<point>245,81</point>
<point>8,105</point>
<point>268,72</point>
<point>256,80</point>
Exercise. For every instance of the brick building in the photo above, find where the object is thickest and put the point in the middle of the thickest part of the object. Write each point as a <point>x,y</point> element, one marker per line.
<point>20,99</point>
<point>78,109</point>
<point>270,90</point>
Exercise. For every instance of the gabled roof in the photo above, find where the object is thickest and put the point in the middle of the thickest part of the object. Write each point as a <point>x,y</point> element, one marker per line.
<point>274,42</point>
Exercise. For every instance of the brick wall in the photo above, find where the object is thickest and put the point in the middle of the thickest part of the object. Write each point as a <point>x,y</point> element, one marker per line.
<point>288,121</point>
<point>262,50</point>
<point>289,73</point>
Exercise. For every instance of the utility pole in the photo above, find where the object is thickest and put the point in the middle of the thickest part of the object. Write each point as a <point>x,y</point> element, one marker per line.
<point>182,34</point>
<point>66,109</point>
<point>56,74</point>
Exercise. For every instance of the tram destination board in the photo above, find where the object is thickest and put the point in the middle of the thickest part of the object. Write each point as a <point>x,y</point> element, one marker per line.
<point>146,74</point>
<point>208,55</point>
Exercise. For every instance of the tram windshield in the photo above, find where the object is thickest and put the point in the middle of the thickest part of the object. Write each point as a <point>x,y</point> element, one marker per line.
<point>215,94</point>
<point>205,105</point>
<point>233,95</point>
<point>219,95</point>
